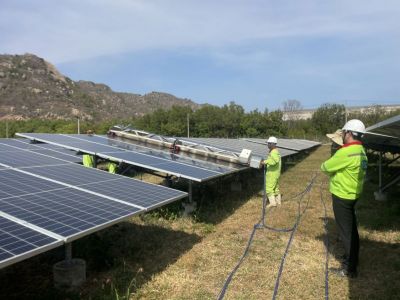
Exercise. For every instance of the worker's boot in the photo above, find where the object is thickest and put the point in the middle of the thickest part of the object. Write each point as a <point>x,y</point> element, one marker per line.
<point>278,199</point>
<point>272,202</point>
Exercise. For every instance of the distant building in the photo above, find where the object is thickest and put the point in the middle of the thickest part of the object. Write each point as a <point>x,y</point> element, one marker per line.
<point>305,114</point>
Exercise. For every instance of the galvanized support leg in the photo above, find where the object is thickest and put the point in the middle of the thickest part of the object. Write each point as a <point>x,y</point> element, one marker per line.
<point>380,195</point>
<point>190,206</point>
<point>380,172</point>
<point>190,192</point>
<point>68,252</point>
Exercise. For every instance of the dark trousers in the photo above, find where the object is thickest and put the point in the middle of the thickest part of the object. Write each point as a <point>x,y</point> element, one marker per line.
<point>346,223</point>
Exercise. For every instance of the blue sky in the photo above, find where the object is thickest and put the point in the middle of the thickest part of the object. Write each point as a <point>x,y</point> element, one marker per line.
<point>257,53</point>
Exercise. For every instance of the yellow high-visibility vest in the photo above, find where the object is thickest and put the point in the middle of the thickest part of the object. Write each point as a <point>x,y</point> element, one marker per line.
<point>346,169</point>
<point>88,160</point>
<point>112,167</point>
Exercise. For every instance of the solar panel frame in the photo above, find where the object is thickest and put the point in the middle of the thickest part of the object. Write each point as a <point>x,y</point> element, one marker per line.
<point>290,144</point>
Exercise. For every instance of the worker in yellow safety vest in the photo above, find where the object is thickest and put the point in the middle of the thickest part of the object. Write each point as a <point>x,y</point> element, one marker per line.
<point>112,167</point>
<point>346,170</point>
<point>89,160</point>
<point>273,165</point>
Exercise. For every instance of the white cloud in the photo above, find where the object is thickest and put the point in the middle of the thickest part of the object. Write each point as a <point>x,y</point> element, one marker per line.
<point>69,30</point>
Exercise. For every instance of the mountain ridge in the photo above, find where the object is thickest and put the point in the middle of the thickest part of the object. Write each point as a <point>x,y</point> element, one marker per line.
<point>31,87</point>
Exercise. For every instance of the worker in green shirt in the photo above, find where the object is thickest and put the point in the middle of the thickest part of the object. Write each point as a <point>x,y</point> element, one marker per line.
<point>112,167</point>
<point>346,170</point>
<point>273,172</point>
<point>89,160</point>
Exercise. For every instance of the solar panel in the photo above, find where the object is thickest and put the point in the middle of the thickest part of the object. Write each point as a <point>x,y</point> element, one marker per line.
<point>170,167</point>
<point>50,150</point>
<point>155,160</point>
<point>183,157</point>
<point>15,184</point>
<point>22,158</point>
<point>237,145</point>
<point>18,242</point>
<point>126,189</point>
<point>63,210</point>
<point>14,150</point>
<point>390,127</point>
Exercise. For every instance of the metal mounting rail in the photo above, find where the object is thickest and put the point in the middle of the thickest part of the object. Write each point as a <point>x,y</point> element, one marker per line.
<point>172,143</point>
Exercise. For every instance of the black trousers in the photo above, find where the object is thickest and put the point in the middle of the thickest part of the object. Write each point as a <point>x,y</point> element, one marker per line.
<point>346,223</point>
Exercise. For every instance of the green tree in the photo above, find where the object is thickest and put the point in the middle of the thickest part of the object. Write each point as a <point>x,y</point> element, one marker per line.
<point>328,118</point>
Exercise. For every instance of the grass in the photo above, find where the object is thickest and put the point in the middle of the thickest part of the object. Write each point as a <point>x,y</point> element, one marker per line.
<point>161,255</point>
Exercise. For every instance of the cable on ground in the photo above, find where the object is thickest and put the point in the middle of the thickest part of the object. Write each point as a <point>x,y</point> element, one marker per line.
<point>260,225</point>
<point>326,243</point>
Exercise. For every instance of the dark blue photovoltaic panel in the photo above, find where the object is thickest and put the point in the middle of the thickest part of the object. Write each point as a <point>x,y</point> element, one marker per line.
<point>21,158</point>
<point>42,148</point>
<point>18,242</point>
<point>65,211</point>
<point>152,159</point>
<point>55,154</point>
<point>123,188</point>
<point>15,184</point>
<point>161,164</point>
<point>151,153</point>
<point>71,143</point>
<point>126,146</point>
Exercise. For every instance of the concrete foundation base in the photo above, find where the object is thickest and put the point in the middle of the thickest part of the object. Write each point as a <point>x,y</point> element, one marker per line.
<point>379,196</point>
<point>69,274</point>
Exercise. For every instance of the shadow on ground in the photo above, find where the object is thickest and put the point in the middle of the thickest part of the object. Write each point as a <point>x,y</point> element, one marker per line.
<point>114,256</point>
<point>379,265</point>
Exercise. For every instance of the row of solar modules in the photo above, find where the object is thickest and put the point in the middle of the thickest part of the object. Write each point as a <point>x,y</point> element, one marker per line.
<point>258,146</point>
<point>287,147</point>
<point>46,201</point>
<point>182,165</point>
<point>139,155</point>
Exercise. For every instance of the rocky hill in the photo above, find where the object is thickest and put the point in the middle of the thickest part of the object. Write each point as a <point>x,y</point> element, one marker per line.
<point>30,87</point>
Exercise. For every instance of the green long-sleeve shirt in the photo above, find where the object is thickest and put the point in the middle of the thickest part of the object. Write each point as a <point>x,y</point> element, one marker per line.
<point>346,169</point>
<point>273,163</point>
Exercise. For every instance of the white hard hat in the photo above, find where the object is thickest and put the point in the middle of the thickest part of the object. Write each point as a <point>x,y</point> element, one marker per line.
<point>272,140</point>
<point>355,126</point>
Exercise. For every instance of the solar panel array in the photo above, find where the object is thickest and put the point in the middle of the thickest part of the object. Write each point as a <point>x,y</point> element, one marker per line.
<point>236,145</point>
<point>46,201</point>
<point>157,160</point>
